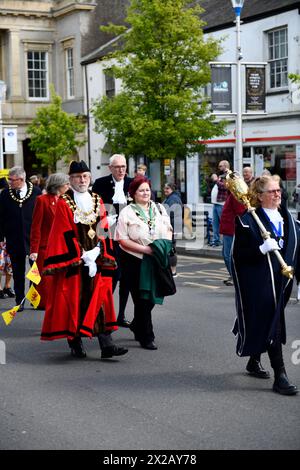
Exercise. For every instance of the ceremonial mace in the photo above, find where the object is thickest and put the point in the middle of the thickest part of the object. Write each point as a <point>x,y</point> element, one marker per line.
<point>237,186</point>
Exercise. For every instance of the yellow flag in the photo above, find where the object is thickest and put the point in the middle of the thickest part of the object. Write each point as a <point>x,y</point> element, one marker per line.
<point>9,315</point>
<point>33,296</point>
<point>33,274</point>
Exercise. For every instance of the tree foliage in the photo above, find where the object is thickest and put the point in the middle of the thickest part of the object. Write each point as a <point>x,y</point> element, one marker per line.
<point>53,133</point>
<point>163,63</point>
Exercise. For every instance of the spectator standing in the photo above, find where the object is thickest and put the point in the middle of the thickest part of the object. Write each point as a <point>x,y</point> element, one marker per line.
<point>174,203</point>
<point>5,263</point>
<point>219,200</point>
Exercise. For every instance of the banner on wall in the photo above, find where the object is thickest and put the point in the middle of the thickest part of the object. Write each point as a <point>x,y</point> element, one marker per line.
<point>10,140</point>
<point>221,88</point>
<point>255,89</point>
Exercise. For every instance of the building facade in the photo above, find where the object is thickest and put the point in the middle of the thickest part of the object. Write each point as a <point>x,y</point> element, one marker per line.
<point>40,43</point>
<point>271,139</point>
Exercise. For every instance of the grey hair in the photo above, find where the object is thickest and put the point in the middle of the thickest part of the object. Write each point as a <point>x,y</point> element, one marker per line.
<point>18,171</point>
<point>115,156</point>
<point>55,181</point>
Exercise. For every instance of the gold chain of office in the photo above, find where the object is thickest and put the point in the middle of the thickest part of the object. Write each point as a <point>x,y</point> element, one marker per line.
<point>21,200</point>
<point>85,218</point>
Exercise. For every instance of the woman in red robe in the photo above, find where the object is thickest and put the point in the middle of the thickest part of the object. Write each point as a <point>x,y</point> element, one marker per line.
<point>43,216</point>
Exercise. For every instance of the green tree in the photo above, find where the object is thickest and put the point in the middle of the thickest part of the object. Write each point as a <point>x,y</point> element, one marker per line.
<point>163,62</point>
<point>53,133</point>
<point>295,78</point>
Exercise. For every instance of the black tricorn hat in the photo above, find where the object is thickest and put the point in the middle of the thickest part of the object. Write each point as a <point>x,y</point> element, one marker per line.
<point>78,167</point>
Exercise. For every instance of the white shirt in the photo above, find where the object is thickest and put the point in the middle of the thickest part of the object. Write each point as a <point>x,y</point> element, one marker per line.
<point>214,194</point>
<point>275,218</point>
<point>131,227</point>
<point>23,191</point>
<point>119,196</point>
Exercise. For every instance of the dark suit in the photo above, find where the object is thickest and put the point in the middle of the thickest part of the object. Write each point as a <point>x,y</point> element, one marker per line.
<point>15,226</point>
<point>105,187</point>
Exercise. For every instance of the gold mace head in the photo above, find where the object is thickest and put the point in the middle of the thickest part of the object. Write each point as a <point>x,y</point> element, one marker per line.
<point>237,186</point>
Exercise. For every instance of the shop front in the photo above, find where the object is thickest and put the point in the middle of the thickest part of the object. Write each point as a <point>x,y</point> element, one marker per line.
<point>272,145</point>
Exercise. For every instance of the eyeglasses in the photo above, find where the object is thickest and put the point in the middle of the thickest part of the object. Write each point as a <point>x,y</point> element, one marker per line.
<point>119,167</point>
<point>272,191</point>
<point>14,179</point>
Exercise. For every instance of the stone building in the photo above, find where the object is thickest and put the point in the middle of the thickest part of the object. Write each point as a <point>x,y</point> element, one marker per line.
<point>40,43</point>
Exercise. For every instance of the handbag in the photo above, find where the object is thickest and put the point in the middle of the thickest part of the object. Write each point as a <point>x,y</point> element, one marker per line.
<point>165,284</point>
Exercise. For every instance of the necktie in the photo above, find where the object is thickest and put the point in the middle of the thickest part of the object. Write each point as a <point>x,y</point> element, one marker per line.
<point>18,193</point>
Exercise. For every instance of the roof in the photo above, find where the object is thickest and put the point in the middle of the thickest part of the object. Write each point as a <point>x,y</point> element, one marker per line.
<point>218,15</point>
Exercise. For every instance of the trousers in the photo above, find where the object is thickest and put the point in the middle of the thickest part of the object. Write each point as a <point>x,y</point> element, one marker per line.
<point>142,321</point>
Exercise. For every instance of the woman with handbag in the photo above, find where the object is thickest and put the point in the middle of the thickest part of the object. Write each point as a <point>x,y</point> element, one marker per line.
<point>139,225</point>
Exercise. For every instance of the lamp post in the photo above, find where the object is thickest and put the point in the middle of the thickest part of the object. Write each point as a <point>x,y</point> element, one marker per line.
<point>238,159</point>
<point>2,97</point>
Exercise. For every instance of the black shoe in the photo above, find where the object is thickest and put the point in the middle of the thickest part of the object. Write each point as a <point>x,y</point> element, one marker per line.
<point>77,349</point>
<point>282,385</point>
<point>3,295</point>
<point>228,282</point>
<point>110,351</point>
<point>255,369</point>
<point>151,345</point>
<point>21,308</point>
<point>124,323</point>
<point>9,292</point>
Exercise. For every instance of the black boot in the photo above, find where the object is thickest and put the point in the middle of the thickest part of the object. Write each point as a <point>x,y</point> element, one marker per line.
<point>282,385</point>
<point>77,349</point>
<point>108,348</point>
<point>255,369</point>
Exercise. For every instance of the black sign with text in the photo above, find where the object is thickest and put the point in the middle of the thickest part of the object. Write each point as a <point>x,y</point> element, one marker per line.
<point>221,88</point>
<point>255,89</point>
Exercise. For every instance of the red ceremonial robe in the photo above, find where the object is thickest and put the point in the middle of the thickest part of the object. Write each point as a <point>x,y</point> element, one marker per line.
<point>64,316</point>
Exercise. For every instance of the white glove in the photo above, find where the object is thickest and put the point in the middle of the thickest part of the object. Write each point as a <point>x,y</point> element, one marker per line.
<point>89,258</point>
<point>270,244</point>
<point>111,219</point>
<point>92,268</point>
<point>298,292</point>
<point>91,255</point>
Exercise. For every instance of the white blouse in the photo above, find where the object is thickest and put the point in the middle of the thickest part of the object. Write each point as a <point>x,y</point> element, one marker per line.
<point>131,227</point>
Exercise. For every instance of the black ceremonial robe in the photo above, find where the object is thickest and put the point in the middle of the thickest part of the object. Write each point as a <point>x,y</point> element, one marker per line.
<point>262,292</point>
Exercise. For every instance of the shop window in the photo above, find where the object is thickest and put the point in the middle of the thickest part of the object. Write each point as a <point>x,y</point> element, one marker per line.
<point>279,160</point>
<point>208,164</point>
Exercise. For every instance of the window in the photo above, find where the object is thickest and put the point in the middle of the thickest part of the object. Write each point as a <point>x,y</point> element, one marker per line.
<point>37,70</point>
<point>110,89</point>
<point>70,73</point>
<point>278,57</point>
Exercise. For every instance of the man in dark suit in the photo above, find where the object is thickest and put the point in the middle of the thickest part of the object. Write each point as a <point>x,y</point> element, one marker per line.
<point>113,190</point>
<point>16,209</point>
